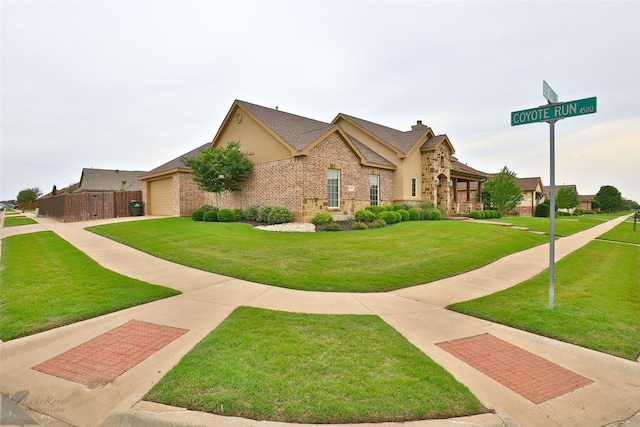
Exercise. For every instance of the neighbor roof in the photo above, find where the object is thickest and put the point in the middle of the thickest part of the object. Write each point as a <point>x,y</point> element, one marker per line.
<point>109,180</point>
<point>529,184</point>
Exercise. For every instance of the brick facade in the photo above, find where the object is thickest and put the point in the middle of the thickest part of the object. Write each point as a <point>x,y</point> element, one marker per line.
<point>300,183</point>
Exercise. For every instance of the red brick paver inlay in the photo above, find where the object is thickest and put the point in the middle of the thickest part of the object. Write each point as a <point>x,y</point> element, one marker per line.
<point>101,360</point>
<point>529,375</point>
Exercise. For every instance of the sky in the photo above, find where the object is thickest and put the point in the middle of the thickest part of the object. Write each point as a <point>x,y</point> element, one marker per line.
<point>130,85</point>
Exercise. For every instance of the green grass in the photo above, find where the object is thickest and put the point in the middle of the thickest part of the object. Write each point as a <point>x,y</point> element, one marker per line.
<point>405,254</point>
<point>310,368</point>
<point>624,232</point>
<point>46,283</point>
<point>564,225</point>
<point>596,303</point>
<point>12,221</point>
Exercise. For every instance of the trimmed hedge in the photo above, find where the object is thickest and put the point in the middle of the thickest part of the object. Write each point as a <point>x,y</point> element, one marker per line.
<point>251,213</point>
<point>226,215</point>
<point>404,214</point>
<point>414,214</point>
<point>239,213</point>
<point>197,215</point>
<point>542,210</point>
<point>279,215</point>
<point>332,226</point>
<point>210,216</point>
<point>263,214</point>
<point>365,216</point>
<point>434,215</point>
<point>388,217</point>
<point>322,219</point>
<point>376,209</point>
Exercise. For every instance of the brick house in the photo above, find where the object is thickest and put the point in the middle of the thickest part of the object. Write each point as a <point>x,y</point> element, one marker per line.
<point>532,194</point>
<point>311,166</point>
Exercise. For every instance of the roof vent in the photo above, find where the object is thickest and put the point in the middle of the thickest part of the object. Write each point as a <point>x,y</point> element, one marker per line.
<point>418,125</point>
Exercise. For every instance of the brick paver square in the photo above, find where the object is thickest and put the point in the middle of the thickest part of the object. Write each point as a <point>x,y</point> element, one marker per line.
<point>101,360</point>
<point>529,375</point>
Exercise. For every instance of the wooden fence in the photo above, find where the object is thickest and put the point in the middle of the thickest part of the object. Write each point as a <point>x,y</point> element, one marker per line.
<point>27,206</point>
<point>87,206</point>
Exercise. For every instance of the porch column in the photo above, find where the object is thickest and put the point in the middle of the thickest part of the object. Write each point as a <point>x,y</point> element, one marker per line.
<point>468,191</point>
<point>455,189</point>
<point>480,191</point>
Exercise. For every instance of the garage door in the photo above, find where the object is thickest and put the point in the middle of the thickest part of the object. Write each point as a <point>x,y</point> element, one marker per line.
<point>160,202</point>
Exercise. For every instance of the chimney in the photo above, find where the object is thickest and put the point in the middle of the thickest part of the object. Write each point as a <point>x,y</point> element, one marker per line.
<point>418,125</point>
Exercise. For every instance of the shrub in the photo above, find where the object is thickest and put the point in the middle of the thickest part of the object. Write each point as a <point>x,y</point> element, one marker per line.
<point>377,223</point>
<point>365,216</point>
<point>542,210</point>
<point>435,215</point>
<point>197,215</point>
<point>394,208</point>
<point>332,226</point>
<point>475,214</point>
<point>226,215</point>
<point>279,215</point>
<point>376,209</point>
<point>388,217</point>
<point>563,213</point>
<point>207,208</point>
<point>322,219</point>
<point>358,225</point>
<point>251,213</point>
<point>414,214</point>
<point>210,216</point>
<point>263,214</point>
<point>239,213</point>
<point>398,216</point>
<point>404,214</point>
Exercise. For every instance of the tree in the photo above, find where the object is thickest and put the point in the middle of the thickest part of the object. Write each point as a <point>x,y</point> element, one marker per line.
<point>221,169</point>
<point>567,198</point>
<point>609,198</point>
<point>502,192</point>
<point>29,195</point>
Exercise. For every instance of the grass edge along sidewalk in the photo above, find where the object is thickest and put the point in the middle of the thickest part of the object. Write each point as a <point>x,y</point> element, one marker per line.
<point>312,368</point>
<point>374,260</point>
<point>47,283</point>
<point>597,299</point>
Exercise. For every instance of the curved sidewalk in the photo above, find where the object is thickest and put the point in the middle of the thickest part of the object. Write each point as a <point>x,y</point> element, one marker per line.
<point>415,312</point>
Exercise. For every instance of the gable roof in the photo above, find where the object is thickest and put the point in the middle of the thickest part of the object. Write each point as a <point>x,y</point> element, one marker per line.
<point>109,180</point>
<point>587,198</point>
<point>558,187</point>
<point>177,162</point>
<point>297,131</point>
<point>530,184</point>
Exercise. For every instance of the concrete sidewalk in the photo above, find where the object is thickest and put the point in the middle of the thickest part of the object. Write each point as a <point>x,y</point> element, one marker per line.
<point>417,313</point>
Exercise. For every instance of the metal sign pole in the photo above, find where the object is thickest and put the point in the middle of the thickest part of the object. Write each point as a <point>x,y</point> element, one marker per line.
<point>552,208</point>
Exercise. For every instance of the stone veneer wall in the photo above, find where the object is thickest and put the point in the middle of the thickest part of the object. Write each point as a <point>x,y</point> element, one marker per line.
<point>437,163</point>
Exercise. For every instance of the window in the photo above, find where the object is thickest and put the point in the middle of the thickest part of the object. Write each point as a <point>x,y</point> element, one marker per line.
<point>374,190</point>
<point>414,187</point>
<point>333,188</point>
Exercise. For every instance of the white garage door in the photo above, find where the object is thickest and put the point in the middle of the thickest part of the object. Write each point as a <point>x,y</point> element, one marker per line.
<point>160,193</point>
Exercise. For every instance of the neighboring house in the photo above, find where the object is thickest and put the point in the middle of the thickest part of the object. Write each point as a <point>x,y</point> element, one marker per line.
<point>586,202</point>
<point>311,166</point>
<point>96,180</point>
<point>532,195</point>
<point>547,193</point>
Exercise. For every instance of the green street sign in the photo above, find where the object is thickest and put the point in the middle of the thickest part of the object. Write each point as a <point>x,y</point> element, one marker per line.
<point>557,111</point>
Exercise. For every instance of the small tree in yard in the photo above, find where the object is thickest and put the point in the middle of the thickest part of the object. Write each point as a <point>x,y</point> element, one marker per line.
<point>502,192</point>
<point>567,198</point>
<point>29,195</point>
<point>217,170</point>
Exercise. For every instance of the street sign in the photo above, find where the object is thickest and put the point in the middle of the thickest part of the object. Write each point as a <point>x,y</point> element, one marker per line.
<point>556,111</point>
<point>548,93</point>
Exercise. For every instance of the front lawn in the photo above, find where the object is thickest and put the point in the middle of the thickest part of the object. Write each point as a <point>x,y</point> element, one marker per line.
<point>564,225</point>
<point>624,233</point>
<point>12,221</point>
<point>374,260</point>
<point>310,368</point>
<point>597,300</point>
<point>46,283</point>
